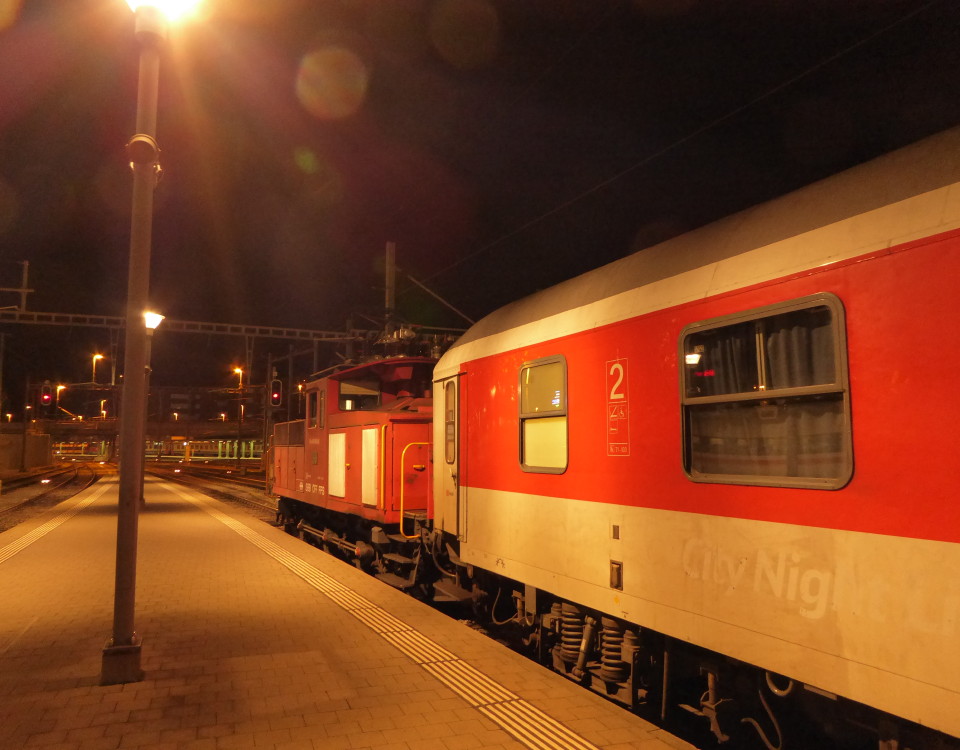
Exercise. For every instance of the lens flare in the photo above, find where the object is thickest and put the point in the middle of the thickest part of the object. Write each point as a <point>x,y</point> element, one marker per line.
<point>306,160</point>
<point>466,33</point>
<point>323,183</point>
<point>332,82</point>
<point>252,12</point>
<point>173,10</point>
<point>9,10</point>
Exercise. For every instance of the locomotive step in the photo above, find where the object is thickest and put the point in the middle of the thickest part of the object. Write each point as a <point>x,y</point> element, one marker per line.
<point>448,591</point>
<point>401,539</point>
<point>454,557</point>
<point>399,559</point>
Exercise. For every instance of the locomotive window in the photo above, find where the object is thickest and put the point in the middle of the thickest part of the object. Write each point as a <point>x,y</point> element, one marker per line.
<point>359,394</point>
<point>765,397</point>
<point>311,408</point>
<point>543,416</point>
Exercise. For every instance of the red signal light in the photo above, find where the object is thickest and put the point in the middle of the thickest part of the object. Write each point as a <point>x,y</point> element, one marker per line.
<point>276,393</point>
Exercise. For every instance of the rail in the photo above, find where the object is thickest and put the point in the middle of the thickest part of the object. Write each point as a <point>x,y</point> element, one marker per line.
<point>68,475</point>
<point>207,481</point>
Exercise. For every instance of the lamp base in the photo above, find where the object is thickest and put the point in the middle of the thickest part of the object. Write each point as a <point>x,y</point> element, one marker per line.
<point>121,663</point>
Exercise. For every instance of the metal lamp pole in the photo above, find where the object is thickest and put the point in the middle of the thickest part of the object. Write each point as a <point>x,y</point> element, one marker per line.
<point>121,655</point>
<point>239,372</point>
<point>151,320</point>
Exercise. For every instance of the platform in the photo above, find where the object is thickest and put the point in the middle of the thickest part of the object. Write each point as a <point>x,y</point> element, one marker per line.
<point>253,639</point>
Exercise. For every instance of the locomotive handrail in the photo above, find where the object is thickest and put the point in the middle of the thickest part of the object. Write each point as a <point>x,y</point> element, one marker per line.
<point>403,456</point>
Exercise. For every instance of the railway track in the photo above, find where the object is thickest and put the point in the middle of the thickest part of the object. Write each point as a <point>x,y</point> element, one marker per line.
<point>223,484</point>
<point>24,497</point>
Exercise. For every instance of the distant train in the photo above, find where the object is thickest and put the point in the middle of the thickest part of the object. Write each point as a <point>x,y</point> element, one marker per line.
<point>715,478</point>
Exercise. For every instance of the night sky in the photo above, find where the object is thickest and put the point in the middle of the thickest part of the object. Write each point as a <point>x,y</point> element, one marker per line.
<point>503,145</point>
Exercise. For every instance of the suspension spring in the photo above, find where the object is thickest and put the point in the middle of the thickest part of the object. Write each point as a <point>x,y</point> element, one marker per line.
<point>571,632</point>
<point>612,667</point>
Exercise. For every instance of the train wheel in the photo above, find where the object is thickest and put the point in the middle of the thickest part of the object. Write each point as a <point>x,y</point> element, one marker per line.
<point>480,603</point>
<point>423,591</point>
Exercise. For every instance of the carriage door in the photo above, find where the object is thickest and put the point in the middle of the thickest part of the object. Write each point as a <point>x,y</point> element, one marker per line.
<point>450,511</point>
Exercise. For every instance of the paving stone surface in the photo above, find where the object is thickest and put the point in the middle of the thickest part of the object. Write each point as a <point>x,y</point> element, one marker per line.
<point>252,639</point>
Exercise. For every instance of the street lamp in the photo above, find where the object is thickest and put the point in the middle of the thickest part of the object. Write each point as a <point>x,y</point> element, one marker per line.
<point>151,320</point>
<point>121,655</point>
<point>238,371</point>
<point>96,358</point>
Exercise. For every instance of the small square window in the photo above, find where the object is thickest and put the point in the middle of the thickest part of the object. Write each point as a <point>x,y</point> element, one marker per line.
<point>543,416</point>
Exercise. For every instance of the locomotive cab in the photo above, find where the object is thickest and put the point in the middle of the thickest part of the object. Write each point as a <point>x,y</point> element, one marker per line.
<point>354,472</point>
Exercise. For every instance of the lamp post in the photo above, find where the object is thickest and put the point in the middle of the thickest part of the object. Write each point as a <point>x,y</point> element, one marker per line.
<point>238,371</point>
<point>121,655</point>
<point>96,358</point>
<point>150,320</point>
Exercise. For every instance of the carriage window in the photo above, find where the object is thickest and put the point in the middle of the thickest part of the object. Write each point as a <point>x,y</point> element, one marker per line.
<point>765,397</point>
<point>543,416</point>
<point>450,421</point>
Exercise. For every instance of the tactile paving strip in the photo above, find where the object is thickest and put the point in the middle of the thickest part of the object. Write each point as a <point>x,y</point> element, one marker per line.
<point>26,540</point>
<point>528,724</point>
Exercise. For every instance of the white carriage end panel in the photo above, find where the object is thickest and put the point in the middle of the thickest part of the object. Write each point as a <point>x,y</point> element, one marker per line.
<point>370,468</point>
<point>446,438</point>
<point>337,464</point>
<point>842,611</point>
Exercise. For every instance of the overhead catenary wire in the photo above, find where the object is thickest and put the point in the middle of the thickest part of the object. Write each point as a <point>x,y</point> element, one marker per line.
<point>695,133</point>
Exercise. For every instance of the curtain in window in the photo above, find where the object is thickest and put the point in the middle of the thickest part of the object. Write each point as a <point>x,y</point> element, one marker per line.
<point>727,364</point>
<point>781,437</point>
<point>799,349</point>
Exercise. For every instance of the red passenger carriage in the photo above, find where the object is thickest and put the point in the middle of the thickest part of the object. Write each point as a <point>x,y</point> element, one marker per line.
<point>713,477</point>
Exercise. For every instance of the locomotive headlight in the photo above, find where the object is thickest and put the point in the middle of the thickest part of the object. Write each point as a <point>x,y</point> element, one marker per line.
<point>692,359</point>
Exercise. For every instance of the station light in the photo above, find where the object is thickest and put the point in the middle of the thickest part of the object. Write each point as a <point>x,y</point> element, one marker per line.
<point>276,393</point>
